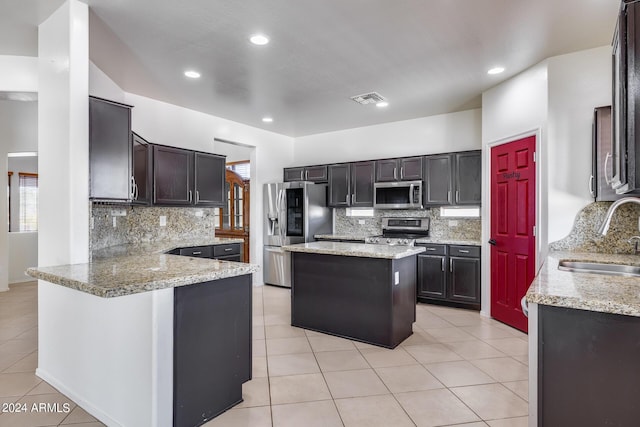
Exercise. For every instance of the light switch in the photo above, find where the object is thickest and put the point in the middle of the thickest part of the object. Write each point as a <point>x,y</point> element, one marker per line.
<point>163,221</point>
<point>199,214</point>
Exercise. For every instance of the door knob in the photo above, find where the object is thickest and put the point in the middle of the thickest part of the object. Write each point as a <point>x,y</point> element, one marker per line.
<point>493,242</point>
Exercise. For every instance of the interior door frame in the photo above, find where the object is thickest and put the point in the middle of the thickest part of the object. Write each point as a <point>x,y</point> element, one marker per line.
<point>541,227</point>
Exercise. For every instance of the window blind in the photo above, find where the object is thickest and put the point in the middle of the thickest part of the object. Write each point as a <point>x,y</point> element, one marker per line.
<point>28,201</point>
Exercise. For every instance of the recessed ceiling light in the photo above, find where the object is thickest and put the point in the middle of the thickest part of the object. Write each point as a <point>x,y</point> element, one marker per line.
<point>259,39</point>
<point>382,104</point>
<point>192,74</point>
<point>267,119</point>
<point>495,70</point>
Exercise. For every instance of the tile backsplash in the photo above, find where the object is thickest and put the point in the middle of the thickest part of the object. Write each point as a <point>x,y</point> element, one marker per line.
<point>446,228</point>
<point>584,236</point>
<point>142,224</point>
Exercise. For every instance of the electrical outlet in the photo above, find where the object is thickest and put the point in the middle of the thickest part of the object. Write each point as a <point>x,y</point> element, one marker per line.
<point>453,223</point>
<point>92,223</point>
<point>118,212</point>
<point>199,214</point>
<point>361,221</point>
<point>114,222</point>
<point>163,221</point>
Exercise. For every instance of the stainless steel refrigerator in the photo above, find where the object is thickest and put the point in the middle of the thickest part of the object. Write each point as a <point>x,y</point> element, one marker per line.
<point>293,213</point>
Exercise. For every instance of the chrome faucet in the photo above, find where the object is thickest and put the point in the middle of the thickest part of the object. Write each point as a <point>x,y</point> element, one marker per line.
<point>615,205</point>
<point>634,241</point>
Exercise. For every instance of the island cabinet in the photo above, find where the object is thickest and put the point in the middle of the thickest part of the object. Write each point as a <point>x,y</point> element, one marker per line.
<point>308,173</point>
<point>453,179</point>
<point>109,150</point>
<point>187,178</point>
<point>449,274</point>
<point>351,184</point>
<point>403,169</point>
<point>587,367</point>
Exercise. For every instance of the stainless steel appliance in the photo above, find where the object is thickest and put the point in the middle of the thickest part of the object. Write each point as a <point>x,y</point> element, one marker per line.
<point>397,195</point>
<point>293,213</point>
<point>401,231</point>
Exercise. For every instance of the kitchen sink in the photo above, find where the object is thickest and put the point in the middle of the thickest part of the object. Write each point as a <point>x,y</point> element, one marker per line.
<point>599,268</point>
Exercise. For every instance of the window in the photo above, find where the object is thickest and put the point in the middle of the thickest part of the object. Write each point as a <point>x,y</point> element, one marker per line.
<point>241,167</point>
<point>28,201</point>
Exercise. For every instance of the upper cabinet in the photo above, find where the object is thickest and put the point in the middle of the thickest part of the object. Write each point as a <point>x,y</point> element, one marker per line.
<point>187,178</point>
<point>141,168</point>
<point>308,173</point>
<point>351,184</point>
<point>626,101</point>
<point>109,150</point>
<point>601,149</point>
<point>453,179</point>
<point>403,169</point>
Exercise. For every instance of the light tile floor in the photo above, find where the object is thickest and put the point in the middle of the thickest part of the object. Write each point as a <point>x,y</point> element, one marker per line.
<point>457,369</point>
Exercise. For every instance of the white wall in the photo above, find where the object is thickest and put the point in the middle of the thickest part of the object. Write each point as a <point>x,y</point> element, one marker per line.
<point>23,253</point>
<point>578,82</point>
<point>435,134</point>
<point>168,124</point>
<point>18,73</point>
<point>18,132</point>
<point>516,107</point>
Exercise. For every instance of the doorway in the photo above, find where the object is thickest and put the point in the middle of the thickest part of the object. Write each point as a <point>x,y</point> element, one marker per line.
<point>232,220</point>
<point>513,228</point>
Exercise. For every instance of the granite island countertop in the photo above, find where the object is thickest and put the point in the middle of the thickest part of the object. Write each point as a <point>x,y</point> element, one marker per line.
<point>126,275</point>
<point>587,291</point>
<point>158,247</point>
<point>355,249</point>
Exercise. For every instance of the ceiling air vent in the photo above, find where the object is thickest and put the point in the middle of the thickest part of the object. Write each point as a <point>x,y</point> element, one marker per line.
<point>368,98</point>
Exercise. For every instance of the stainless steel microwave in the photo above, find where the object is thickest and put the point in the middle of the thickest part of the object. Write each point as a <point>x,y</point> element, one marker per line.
<point>397,195</point>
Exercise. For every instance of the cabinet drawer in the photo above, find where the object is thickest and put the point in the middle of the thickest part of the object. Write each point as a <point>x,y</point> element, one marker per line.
<point>464,251</point>
<point>197,251</point>
<point>236,258</point>
<point>224,250</point>
<point>433,249</point>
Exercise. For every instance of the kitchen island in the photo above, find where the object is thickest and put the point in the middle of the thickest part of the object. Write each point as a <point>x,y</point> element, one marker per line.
<point>353,290</point>
<point>584,344</point>
<point>146,340</point>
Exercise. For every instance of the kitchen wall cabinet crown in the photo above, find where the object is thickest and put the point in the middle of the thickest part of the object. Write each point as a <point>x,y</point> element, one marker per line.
<point>109,150</point>
<point>306,173</point>
<point>403,169</point>
<point>351,184</point>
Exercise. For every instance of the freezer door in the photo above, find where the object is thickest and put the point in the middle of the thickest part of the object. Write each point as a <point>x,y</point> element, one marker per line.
<point>276,266</point>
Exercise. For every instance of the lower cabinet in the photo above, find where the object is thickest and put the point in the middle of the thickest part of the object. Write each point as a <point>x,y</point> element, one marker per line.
<point>449,274</point>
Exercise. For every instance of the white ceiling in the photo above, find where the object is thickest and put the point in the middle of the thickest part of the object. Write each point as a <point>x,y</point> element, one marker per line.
<point>425,56</point>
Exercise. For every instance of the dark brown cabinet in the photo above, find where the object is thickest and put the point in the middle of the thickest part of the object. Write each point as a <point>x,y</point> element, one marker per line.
<point>109,150</point>
<point>187,178</point>
<point>403,169</point>
<point>308,173</point>
<point>351,184</point>
<point>453,179</point>
<point>141,168</point>
<point>449,274</point>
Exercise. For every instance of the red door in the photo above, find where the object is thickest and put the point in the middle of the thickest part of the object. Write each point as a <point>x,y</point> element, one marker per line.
<point>513,215</point>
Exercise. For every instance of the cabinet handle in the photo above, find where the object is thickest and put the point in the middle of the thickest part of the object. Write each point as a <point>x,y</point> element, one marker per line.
<point>197,197</point>
<point>346,199</point>
<point>306,175</point>
<point>450,265</point>
<point>401,172</point>
<point>394,173</point>
<point>196,253</point>
<point>353,198</point>
<point>136,196</point>
<point>302,175</point>
<point>133,187</point>
<point>449,196</point>
<point>228,249</point>
<point>457,196</point>
<point>431,249</point>
<point>190,196</point>
<point>442,264</point>
<point>591,186</point>
<point>606,175</point>
<point>463,251</point>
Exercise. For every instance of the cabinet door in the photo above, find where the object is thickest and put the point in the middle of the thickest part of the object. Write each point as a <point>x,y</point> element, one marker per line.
<point>602,168</point>
<point>209,179</point>
<point>410,168</point>
<point>172,176</point>
<point>468,178</point>
<point>339,185</point>
<point>109,150</point>
<point>432,276</point>
<point>438,180</point>
<point>362,177</point>
<point>386,170</point>
<point>315,173</point>
<point>293,174</point>
<point>464,279</point>
<point>141,170</point>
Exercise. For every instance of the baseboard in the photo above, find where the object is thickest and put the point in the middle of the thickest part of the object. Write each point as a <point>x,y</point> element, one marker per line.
<point>87,406</point>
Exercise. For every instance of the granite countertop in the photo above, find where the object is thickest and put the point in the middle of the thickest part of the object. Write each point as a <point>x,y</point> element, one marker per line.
<point>587,291</point>
<point>355,249</point>
<point>445,241</point>
<point>159,247</point>
<point>351,237</point>
<point>126,275</point>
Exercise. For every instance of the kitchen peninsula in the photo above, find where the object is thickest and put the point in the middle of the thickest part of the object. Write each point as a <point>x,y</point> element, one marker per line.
<point>354,290</point>
<point>150,339</point>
